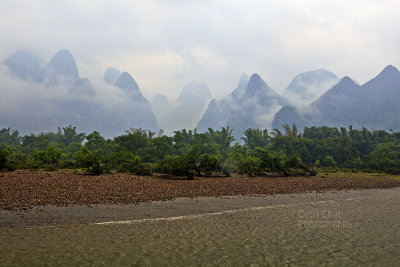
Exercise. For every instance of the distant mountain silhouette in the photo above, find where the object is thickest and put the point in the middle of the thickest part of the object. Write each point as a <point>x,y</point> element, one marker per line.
<point>111,75</point>
<point>141,114</point>
<point>24,64</point>
<point>375,104</point>
<point>62,65</point>
<point>308,86</point>
<point>288,115</point>
<point>250,105</point>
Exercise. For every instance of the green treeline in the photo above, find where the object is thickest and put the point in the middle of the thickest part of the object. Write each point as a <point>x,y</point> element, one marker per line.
<point>190,154</point>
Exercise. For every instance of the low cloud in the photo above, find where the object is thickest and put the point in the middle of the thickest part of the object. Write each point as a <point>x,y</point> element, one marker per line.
<point>166,44</point>
<point>30,106</point>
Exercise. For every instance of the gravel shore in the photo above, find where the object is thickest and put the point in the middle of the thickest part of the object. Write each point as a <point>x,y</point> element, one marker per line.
<point>22,190</point>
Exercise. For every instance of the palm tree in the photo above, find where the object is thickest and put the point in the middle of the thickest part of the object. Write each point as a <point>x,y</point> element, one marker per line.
<point>256,138</point>
<point>147,133</point>
<point>276,133</point>
<point>224,137</point>
<point>290,131</point>
<point>160,133</point>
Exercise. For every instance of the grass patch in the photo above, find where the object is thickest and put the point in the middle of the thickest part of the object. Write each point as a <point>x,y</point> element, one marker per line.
<point>360,175</point>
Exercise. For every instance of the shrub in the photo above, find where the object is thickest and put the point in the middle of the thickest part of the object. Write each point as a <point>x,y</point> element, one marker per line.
<point>251,166</point>
<point>66,164</point>
<point>317,164</point>
<point>90,160</point>
<point>51,167</point>
<point>271,162</point>
<point>179,166</point>
<point>136,166</point>
<point>355,163</point>
<point>209,163</point>
<point>295,166</point>
<point>228,166</point>
<point>120,161</point>
<point>49,156</point>
<point>393,170</point>
<point>31,164</point>
<point>19,160</point>
<point>329,161</point>
<point>142,169</point>
<point>4,154</point>
<point>234,161</point>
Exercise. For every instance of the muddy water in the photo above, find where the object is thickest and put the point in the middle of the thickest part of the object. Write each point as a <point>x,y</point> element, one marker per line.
<point>346,228</point>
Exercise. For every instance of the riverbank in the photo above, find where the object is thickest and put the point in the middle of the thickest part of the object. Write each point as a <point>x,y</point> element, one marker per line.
<point>23,190</point>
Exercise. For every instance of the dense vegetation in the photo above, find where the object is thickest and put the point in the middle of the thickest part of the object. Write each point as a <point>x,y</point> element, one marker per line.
<point>190,154</point>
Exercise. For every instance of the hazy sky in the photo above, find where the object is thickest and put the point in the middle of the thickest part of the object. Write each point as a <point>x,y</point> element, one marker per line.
<point>165,44</point>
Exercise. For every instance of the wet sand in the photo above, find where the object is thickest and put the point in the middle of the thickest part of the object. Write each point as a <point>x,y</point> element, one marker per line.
<point>355,227</point>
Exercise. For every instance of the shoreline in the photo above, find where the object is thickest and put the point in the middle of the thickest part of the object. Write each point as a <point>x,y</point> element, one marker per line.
<point>24,190</point>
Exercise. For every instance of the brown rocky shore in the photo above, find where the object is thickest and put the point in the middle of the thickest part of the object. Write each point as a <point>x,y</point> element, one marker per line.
<point>21,190</point>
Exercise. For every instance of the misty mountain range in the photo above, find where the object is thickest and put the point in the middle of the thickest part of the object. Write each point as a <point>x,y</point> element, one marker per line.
<point>53,94</point>
<point>375,104</point>
<point>38,97</point>
<point>251,105</point>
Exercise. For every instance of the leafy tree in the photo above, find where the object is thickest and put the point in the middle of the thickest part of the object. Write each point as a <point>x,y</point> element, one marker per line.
<point>385,157</point>
<point>95,141</point>
<point>28,143</point>
<point>8,136</point>
<point>32,142</point>
<point>156,149</point>
<point>69,151</point>
<point>132,141</point>
<point>68,135</point>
